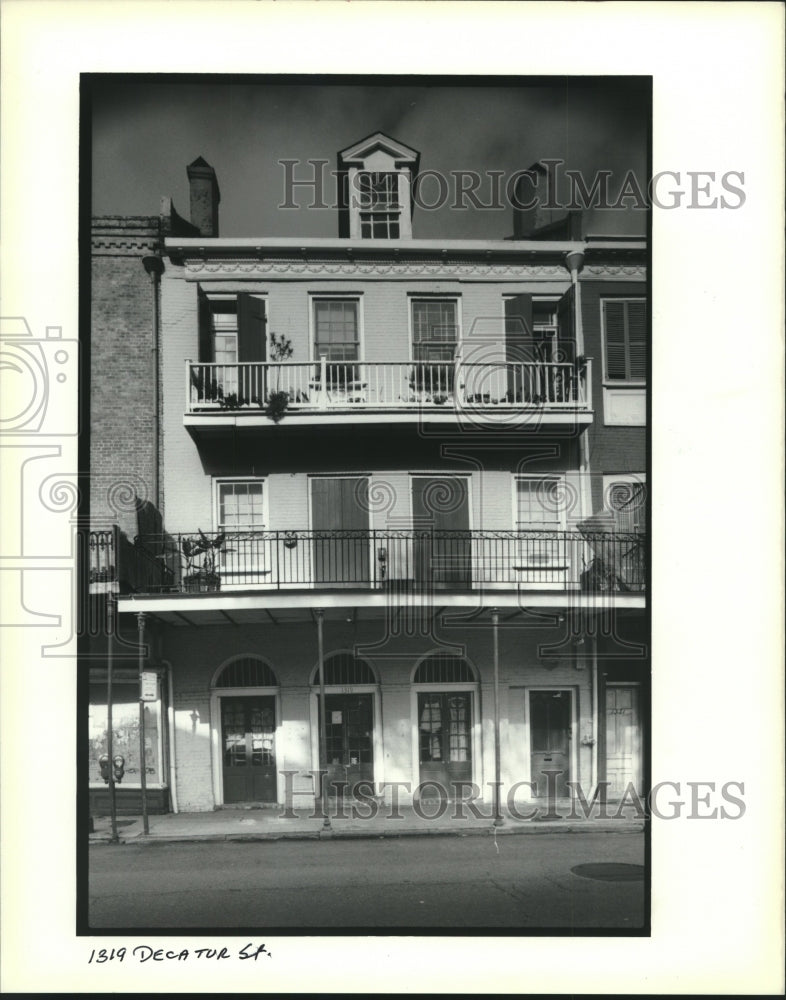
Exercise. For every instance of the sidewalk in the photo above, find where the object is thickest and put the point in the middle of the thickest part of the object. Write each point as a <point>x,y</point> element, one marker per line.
<point>271,823</point>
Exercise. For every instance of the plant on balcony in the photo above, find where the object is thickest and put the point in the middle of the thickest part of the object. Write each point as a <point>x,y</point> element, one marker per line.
<point>232,401</point>
<point>277,401</point>
<point>209,390</point>
<point>201,555</point>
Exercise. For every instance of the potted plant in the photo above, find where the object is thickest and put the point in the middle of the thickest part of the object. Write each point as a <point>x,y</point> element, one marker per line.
<point>201,555</point>
<point>277,401</point>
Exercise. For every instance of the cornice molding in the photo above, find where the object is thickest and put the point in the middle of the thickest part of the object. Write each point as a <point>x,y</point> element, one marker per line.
<point>197,268</point>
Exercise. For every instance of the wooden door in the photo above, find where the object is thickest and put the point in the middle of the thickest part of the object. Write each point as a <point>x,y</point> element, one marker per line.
<point>248,727</point>
<point>550,715</point>
<point>445,739</point>
<point>440,516</point>
<point>340,521</point>
<point>623,738</point>
<point>350,743</point>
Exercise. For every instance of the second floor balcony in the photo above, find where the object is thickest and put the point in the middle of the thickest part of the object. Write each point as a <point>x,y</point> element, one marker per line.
<point>348,391</point>
<point>415,561</point>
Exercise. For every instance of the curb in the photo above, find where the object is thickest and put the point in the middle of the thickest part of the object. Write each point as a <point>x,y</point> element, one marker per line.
<point>541,827</point>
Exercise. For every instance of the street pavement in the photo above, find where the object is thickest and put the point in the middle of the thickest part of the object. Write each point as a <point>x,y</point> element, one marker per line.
<point>420,883</point>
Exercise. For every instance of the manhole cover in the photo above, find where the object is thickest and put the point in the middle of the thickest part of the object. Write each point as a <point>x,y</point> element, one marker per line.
<point>611,871</point>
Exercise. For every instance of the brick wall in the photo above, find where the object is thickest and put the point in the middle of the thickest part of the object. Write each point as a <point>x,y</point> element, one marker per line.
<point>121,371</point>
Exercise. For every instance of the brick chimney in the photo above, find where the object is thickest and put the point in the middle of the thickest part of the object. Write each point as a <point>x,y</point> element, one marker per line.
<point>205,197</point>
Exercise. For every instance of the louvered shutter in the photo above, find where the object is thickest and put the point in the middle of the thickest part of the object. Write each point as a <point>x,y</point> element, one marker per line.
<point>616,361</point>
<point>206,355</point>
<point>637,340</point>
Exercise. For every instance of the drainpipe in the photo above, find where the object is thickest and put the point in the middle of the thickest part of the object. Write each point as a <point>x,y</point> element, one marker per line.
<point>595,709</point>
<point>154,267</point>
<point>574,261</point>
<point>171,718</point>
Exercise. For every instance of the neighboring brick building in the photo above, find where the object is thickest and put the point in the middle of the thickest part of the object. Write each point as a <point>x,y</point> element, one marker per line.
<point>402,450</point>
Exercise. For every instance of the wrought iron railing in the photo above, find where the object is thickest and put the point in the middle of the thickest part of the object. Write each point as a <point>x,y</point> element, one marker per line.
<point>416,560</point>
<point>326,385</point>
<point>115,564</point>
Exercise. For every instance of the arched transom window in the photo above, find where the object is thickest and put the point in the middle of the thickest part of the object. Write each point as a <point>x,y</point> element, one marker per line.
<point>245,672</point>
<point>444,668</point>
<point>346,669</point>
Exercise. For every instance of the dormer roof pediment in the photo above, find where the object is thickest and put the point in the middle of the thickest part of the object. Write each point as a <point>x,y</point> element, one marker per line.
<point>377,143</point>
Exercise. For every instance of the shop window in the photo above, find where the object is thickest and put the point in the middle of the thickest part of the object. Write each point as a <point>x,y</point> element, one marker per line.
<point>125,729</point>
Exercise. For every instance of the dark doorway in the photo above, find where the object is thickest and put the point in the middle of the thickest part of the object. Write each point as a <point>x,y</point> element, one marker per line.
<point>248,727</point>
<point>550,714</point>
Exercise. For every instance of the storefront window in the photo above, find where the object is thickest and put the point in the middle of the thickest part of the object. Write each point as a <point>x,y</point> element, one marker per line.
<point>125,726</point>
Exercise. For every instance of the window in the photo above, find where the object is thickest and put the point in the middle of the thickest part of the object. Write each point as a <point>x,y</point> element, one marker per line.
<point>625,340</point>
<point>379,205</point>
<point>627,498</point>
<point>434,329</point>
<point>336,335</point>
<point>540,503</point>
<point>240,506</point>
<point>540,508</point>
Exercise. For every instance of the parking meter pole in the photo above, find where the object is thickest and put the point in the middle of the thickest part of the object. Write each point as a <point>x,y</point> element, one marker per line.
<point>140,624</point>
<point>110,653</point>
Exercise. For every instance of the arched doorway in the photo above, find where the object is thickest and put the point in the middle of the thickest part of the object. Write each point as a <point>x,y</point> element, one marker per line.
<point>444,689</point>
<point>245,705</point>
<point>351,710</point>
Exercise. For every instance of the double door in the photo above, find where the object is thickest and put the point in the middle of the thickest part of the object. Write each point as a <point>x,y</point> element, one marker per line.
<point>350,743</point>
<point>248,728</point>
<point>445,741</point>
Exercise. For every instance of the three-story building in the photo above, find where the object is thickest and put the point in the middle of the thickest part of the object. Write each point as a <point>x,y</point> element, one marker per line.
<point>402,485</point>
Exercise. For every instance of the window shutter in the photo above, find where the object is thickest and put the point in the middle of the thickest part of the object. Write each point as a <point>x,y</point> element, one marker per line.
<point>250,328</point>
<point>616,367</point>
<point>566,326</point>
<point>637,339</point>
<point>206,355</point>
<point>518,326</point>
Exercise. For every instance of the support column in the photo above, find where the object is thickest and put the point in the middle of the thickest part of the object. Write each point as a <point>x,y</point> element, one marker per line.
<point>140,624</point>
<point>498,820</point>
<point>319,614</point>
<point>111,618</point>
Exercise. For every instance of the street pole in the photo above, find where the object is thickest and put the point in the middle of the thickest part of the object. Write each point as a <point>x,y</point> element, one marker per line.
<point>140,624</point>
<point>498,820</point>
<point>110,652</point>
<point>320,614</point>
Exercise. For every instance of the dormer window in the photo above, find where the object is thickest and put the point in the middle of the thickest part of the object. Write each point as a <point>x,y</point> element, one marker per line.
<point>376,177</point>
<point>379,204</point>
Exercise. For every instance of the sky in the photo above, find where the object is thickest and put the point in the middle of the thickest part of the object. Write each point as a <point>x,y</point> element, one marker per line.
<point>146,130</point>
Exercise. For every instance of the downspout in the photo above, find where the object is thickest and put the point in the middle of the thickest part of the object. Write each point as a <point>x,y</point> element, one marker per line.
<point>171,720</point>
<point>154,267</point>
<point>574,261</point>
<point>595,710</point>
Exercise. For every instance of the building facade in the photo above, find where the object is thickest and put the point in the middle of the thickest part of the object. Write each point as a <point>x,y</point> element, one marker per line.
<point>398,483</point>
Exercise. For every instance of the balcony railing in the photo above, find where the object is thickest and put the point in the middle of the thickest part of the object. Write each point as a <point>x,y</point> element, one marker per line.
<point>117,565</point>
<point>416,561</point>
<point>323,385</point>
